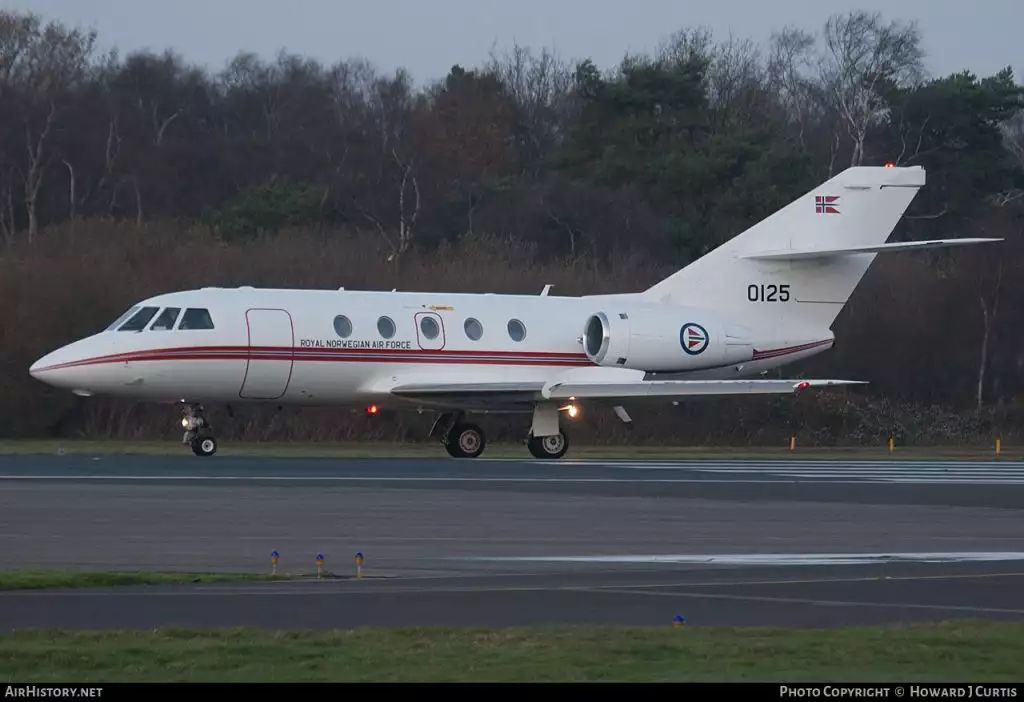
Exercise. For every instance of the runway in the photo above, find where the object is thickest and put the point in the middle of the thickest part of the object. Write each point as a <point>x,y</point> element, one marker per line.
<point>507,542</point>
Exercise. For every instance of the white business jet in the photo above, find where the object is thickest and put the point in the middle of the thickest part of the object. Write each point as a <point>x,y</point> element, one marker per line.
<point>766,298</point>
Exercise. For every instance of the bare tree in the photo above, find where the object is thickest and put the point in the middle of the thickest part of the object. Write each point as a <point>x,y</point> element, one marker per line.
<point>387,130</point>
<point>736,78</point>
<point>789,76</point>
<point>1013,140</point>
<point>862,56</point>
<point>989,312</point>
<point>39,66</point>
<point>540,87</point>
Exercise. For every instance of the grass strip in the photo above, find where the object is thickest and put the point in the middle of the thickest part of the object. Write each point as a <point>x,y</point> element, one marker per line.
<point>49,579</point>
<point>949,651</point>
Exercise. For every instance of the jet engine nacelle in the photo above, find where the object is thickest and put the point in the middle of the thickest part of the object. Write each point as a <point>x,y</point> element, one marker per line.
<point>664,339</point>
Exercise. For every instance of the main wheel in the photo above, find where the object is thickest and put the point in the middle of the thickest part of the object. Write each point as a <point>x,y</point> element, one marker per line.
<point>204,445</point>
<point>465,441</point>
<point>553,446</point>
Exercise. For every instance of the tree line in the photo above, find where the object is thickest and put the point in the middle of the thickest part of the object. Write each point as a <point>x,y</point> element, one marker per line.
<point>123,177</point>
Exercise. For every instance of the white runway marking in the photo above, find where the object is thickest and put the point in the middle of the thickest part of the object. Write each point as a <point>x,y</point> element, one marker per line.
<point>812,602</point>
<point>787,559</point>
<point>921,472</point>
<point>384,479</point>
<point>839,472</point>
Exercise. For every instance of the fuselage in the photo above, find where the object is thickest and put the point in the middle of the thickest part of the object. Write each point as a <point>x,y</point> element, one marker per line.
<point>339,347</point>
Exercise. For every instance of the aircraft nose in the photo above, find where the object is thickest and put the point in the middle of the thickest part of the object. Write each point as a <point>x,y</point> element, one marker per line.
<point>39,367</point>
<point>54,368</point>
<point>72,368</point>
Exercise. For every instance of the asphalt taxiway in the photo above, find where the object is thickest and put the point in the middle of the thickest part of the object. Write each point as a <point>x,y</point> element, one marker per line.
<point>506,542</point>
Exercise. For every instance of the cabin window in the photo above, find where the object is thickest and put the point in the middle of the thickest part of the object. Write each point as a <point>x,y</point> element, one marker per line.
<point>342,326</point>
<point>120,320</point>
<point>428,325</point>
<point>166,319</point>
<point>516,330</point>
<point>196,319</point>
<point>386,327</point>
<point>474,330</point>
<point>139,320</point>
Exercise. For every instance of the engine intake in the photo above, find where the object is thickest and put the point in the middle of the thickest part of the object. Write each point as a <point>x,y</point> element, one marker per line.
<point>663,339</point>
<point>597,337</point>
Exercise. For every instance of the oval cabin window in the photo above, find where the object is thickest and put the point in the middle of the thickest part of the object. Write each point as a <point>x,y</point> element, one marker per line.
<point>342,326</point>
<point>386,327</point>
<point>474,330</point>
<point>516,330</point>
<point>428,325</point>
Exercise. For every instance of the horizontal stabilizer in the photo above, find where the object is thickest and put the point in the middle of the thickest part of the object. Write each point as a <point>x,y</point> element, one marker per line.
<point>682,388</point>
<point>811,253</point>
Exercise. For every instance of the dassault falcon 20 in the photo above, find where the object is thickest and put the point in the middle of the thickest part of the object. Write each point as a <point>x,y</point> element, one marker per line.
<point>765,298</point>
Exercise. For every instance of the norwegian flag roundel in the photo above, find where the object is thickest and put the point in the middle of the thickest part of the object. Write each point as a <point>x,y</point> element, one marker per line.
<point>693,338</point>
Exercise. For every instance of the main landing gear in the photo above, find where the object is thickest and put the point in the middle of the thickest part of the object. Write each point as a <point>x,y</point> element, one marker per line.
<point>198,434</point>
<point>553,446</point>
<point>462,439</point>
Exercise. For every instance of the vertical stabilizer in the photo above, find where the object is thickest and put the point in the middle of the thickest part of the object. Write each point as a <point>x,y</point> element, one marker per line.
<point>859,207</point>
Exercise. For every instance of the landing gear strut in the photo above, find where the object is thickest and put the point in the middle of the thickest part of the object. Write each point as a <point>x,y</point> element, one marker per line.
<point>198,434</point>
<point>460,439</point>
<point>546,438</point>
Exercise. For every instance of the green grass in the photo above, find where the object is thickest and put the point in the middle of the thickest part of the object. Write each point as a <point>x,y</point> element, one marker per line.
<point>958,651</point>
<point>43,579</point>
<point>497,450</point>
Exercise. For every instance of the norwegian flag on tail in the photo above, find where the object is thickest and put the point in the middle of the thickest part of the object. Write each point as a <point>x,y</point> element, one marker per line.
<point>826,204</point>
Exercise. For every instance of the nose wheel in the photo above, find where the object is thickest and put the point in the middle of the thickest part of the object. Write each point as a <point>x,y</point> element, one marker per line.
<point>198,434</point>
<point>203,446</point>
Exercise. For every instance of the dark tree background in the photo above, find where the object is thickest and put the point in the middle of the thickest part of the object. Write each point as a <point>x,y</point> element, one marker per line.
<point>126,177</point>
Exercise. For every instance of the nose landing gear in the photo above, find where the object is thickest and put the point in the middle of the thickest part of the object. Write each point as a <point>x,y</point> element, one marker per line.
<point>198,434</point>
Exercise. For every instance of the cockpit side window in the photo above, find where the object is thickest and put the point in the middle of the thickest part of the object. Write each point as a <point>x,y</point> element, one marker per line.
<point>120,320</point>
<point>139,321</point>
<point>196,319</point>
<point>166,319</point>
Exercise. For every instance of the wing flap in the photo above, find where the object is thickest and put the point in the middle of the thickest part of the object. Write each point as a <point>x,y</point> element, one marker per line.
<point>806,254</point>
<point>683,388</point>
<point>471,394</point>
<point>442,389</point>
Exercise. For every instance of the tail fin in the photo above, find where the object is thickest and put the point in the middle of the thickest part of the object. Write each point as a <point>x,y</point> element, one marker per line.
<point>803,262</point>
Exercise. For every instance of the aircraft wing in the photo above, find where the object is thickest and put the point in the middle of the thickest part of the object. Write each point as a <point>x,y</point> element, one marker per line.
<point>682,388</point>
<point>618,383</point>
<point>596,384</point>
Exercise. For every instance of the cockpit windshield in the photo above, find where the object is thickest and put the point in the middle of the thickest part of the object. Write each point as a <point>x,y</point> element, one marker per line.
<point>196,319</point>
<point>139,320</point>
<point>136,319</point>
<point>166,319</point>
<point>120,320</point>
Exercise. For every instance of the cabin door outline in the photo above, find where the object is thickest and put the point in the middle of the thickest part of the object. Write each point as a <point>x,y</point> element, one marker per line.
<point>271,353</point>
<point>422,341</point>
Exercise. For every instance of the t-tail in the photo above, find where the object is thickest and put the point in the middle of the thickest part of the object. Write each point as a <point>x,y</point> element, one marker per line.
<point>800,266</point>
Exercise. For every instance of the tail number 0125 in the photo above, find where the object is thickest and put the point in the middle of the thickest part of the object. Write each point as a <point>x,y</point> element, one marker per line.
<point>768,293</point>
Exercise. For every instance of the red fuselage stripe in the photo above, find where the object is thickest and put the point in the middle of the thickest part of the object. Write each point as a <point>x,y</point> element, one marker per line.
<point>368,355</point>
<point>334,355</point>
<point>775,353</point>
